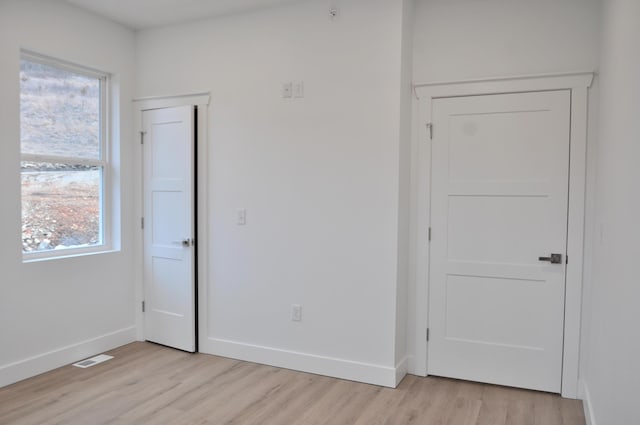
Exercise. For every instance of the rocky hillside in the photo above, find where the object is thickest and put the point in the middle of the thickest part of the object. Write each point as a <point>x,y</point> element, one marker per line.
<point>59,116</point>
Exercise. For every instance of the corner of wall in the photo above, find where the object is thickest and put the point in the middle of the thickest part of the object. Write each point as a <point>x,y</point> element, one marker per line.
<point>401,370</point>
<point>583,394</point>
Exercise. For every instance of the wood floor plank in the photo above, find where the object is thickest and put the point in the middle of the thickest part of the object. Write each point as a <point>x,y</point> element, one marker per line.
<point>572,412</point>
<point>72,390</point>
<point>325,406</point>
<point>414,405</point>
<point>386,402</point>
<point>437,398</point>
<point>149,384</point>
<point>493,413</point>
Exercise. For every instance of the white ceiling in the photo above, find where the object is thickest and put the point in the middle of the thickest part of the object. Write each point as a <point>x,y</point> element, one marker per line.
<point>140,14</point>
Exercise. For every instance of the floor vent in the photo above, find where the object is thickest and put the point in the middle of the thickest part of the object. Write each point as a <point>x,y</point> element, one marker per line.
<point>93,361</point>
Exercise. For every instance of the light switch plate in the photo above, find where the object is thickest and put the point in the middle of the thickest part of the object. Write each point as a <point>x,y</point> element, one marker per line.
<point>296,312</point>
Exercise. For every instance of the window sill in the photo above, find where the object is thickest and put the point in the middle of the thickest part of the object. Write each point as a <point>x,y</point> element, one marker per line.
<point>72,253</point>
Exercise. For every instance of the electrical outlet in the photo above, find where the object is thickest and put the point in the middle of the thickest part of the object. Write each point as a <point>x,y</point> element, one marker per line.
<point>296,312</point>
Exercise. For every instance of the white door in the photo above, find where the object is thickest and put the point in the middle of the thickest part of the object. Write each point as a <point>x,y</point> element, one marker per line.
<point>169,227</point>
<point>500,179</point>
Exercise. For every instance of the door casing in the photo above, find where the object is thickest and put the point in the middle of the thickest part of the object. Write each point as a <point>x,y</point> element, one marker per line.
<point>201,101</point>
<point>578,84</point>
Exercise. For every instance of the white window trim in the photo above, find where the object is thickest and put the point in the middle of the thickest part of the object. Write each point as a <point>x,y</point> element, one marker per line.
<point>104,162</point>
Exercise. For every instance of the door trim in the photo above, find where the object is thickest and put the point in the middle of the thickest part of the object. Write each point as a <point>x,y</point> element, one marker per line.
<point>201,101</point>
<point>578,83</point>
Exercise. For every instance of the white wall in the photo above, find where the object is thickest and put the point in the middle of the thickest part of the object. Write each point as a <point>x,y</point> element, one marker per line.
<point>55,312</point>
<point>612,372</point>
<point>463,39</point>
<point>319,178</point>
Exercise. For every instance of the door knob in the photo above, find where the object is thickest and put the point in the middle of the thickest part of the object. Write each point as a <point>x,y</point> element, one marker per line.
<point>553,259</point>
<point>184,242</point>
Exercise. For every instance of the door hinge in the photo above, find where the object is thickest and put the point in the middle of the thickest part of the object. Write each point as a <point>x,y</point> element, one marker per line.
<point>430,130</point>
<point>566,259</point>
<point>142,133</point>
<point>429,234</point>
<point>142,222</point>
<point>143,306</point>
<point>427,334</point>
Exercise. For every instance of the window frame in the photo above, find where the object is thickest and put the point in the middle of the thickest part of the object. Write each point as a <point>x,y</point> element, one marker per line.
<point>103,162</point>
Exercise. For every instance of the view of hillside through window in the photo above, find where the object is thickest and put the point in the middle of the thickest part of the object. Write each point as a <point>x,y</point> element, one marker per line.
<point>62,169</point>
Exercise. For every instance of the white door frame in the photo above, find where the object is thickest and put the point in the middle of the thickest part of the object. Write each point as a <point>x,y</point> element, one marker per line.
<point>578,83</point>
<point>201,100</point>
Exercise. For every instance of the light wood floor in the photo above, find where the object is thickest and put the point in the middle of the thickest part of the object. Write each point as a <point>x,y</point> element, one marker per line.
<point>151,384</point>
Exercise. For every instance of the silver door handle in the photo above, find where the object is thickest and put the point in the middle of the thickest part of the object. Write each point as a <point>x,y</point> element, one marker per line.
<point>553,259</point>
<point>185,242</point>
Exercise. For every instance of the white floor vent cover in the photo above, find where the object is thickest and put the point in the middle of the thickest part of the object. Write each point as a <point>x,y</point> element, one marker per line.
<point>93,361</point>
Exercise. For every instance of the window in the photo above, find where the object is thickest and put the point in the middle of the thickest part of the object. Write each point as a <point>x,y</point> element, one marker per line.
<point>64,154</point>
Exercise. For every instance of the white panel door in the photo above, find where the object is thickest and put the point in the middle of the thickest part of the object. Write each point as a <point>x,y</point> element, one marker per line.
<point>500,178</point>
<point>169,267</point>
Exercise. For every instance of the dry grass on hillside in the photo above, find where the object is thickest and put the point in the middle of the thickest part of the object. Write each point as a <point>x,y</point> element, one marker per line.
<point>60,113</point>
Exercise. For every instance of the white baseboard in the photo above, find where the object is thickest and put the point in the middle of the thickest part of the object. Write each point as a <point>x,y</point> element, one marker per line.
<point>401,370</point>
<point>45,362</point>
<point>411,366</point>
<point>304,362</point>
<point>586,403</point>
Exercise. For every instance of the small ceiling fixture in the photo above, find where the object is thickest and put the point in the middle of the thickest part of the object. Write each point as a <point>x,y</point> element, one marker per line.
<point>333,12</point>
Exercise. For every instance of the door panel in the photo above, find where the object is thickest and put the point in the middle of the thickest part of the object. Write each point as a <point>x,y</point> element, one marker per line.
<point>499,202</point>
<point>169,227</point>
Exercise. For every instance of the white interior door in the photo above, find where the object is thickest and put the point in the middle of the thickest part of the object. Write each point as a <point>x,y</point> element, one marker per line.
<point>500,178</point>
<point>169,267</point>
